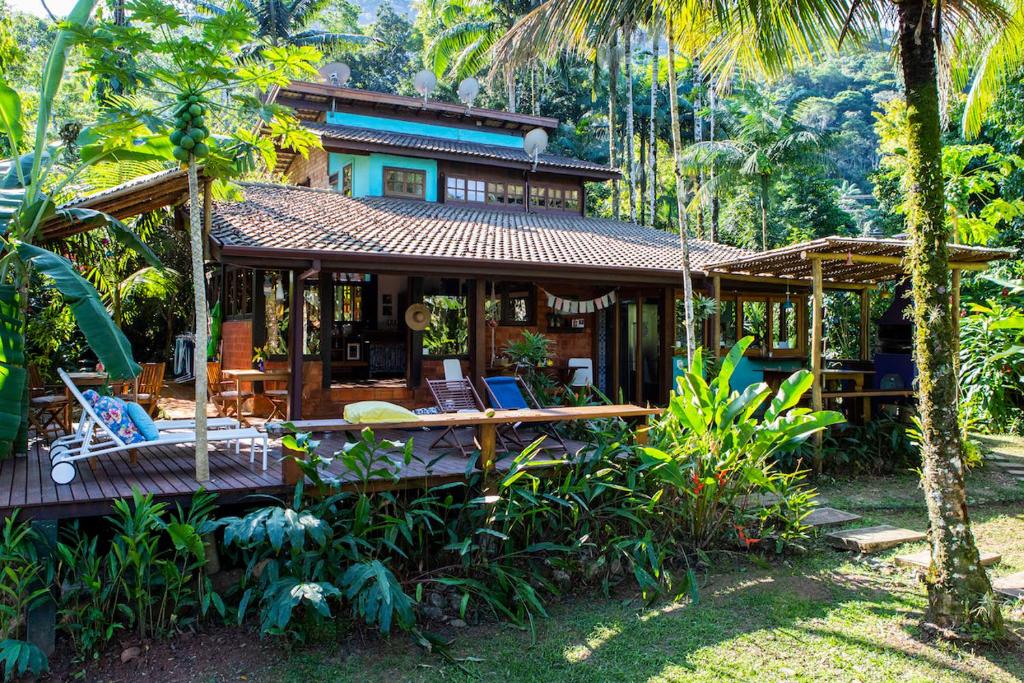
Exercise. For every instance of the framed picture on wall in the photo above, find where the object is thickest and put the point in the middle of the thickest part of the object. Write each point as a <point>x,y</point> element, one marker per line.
<point>353,351</point>
<point>387,305</point>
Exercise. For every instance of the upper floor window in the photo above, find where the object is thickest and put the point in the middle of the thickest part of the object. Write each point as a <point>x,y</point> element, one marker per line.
<point>464,190</point>
<point>505,194</point>
<point>403,182</point>
<point>549,198</point>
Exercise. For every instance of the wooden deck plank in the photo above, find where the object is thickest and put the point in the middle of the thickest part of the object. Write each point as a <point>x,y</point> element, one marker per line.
<point>167,472</point>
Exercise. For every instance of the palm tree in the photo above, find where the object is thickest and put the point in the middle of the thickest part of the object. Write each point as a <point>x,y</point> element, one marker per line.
<point>469,31</point>
<point>652,156</point>
<point>281,23</point>
<point>766,139</point>
<point>768,38</point>
<point>1002,59</point>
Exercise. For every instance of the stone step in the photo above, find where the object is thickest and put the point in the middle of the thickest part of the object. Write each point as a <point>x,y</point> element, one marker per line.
<point>829,517</point>
<point>1011,586</point>
<point>872,539</point>
<point>923,559</point>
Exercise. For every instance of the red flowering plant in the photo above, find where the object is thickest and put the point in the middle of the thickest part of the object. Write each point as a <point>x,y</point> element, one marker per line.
<point>713,455</point>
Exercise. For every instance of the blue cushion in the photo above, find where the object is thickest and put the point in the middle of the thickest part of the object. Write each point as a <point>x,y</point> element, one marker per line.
<point>143,421</point>
<point>505,393</point>
<point>114,413</point>
<point>91,396</point>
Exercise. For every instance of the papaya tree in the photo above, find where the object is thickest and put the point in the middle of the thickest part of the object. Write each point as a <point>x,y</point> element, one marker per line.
<point>194,77</point>
<point>30,182</point>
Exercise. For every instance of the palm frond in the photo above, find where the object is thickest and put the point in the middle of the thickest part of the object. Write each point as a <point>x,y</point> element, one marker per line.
<point>1001,60</point>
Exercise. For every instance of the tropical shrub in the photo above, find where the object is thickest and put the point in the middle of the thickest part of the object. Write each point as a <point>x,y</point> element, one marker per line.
<point>715,459</point>
<point>149,579</point>
<point>530,356</point>
<point>992,364</point>
<point>23,584</point>
<point>882,446</point>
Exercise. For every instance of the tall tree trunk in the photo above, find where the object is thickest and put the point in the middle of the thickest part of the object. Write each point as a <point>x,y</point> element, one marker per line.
<point>641,190</point>
<point>652,154</point>
<point>698,136</point>
<point>195,216</point>
<point>959,592</point>
<point>630,131</point>
<point>714,185</point>
<point>613,106</point>
<point>510,86</point>
<point>677,165</point>
<point>763,195</point>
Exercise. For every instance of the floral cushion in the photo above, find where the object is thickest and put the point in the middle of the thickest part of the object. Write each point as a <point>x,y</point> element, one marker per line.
<point>91,396</point>
<point>114,413</point>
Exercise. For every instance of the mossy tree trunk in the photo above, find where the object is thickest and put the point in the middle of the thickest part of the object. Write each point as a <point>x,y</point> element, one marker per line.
<point>959,592</point>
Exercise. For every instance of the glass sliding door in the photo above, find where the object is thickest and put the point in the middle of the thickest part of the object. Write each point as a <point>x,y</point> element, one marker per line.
<point>639,349</point>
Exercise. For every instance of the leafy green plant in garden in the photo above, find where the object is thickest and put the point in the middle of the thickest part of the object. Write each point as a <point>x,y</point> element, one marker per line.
<point>992,363</point>
<point>713,455</point>
<point>29,186</point>
<point>23,584</point>
<point>149,579</point>
<point>530,356</point>
<point>881,446</point>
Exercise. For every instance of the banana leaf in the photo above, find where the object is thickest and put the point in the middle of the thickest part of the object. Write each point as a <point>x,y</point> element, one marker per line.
<point>103,336</point>
<point>10,115</point>
<point>13,387</point>
<point>118,230</point>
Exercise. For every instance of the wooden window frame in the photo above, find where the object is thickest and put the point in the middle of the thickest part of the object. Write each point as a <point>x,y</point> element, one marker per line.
<point>770,300</point>
<point>531,305</point>
<point>549,191</point>
<point>411,171</point>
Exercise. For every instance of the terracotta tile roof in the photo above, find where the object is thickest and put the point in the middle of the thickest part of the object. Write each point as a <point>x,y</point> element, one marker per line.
<point>314,223</point>
<point>424,143</point>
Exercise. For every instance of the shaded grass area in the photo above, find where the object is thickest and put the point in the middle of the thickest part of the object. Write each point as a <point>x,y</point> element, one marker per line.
<point>826,615</point>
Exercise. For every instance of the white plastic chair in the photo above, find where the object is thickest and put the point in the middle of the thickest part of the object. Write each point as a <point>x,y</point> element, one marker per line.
<point>453,369</point>
<point>583,372</point>
<point>93,438</point>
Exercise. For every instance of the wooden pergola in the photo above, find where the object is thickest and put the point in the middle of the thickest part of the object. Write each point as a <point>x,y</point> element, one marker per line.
<point>848,263</point>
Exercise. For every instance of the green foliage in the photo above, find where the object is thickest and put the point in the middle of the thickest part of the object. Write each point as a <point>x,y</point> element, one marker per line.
<point>447,333</point>
<point>20,659</point>
<point>992,361</point>
<point>530,356</point>
<point>712,454</point>
<point>150,579</point>
<point>880,447</point>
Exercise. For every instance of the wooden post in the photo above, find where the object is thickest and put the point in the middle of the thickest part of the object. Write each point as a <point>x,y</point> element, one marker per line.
<point>615,343</point>
<point>415,365</point>
<point>478,334</point>
<point>865,325</point>
<point>668,344</point>
<point>41,618</point>
<point>816,331</point>
<point>716,319</point>
<point>296,323</point>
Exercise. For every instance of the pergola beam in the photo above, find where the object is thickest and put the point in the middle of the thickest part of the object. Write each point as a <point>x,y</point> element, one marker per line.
<point>886,260</point>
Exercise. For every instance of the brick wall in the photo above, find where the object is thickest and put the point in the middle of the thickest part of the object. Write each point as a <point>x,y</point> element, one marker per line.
<point>236,344</point>
<point>314,168</point>
<point>565,345</point>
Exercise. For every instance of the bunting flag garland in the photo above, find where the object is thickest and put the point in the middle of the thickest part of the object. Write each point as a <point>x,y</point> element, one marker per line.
<point>573,306</point>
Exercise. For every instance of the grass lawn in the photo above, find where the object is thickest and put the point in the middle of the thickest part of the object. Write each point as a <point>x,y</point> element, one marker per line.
<point>827,615</point>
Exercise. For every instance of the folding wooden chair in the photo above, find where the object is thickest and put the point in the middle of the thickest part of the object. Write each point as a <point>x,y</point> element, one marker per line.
<point>151,383</point>
<point>223,393</point>
<point>48,406</point>
<point>455,396</point>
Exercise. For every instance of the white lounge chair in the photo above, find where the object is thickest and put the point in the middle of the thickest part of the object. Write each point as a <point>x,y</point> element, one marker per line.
<point>93,438</point>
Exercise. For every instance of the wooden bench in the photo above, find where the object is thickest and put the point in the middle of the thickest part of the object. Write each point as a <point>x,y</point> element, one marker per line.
<point>486,422</point>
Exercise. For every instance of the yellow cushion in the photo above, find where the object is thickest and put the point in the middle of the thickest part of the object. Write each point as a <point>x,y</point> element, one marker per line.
<point>367,412</point>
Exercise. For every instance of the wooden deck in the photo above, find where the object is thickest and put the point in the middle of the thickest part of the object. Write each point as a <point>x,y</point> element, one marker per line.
<point>168,473</point>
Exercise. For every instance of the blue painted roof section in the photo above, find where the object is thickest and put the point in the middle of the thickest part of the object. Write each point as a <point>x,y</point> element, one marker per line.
<point>390,125</point>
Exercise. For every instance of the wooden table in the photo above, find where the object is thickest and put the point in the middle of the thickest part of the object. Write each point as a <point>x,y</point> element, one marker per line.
<point>486,422</point>
<point>253,375</point>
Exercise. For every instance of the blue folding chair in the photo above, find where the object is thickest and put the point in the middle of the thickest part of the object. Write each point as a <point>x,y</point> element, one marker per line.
<point>512,393</point>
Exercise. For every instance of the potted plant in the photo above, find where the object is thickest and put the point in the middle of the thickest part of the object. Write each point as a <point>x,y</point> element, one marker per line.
<point>259,358</point>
